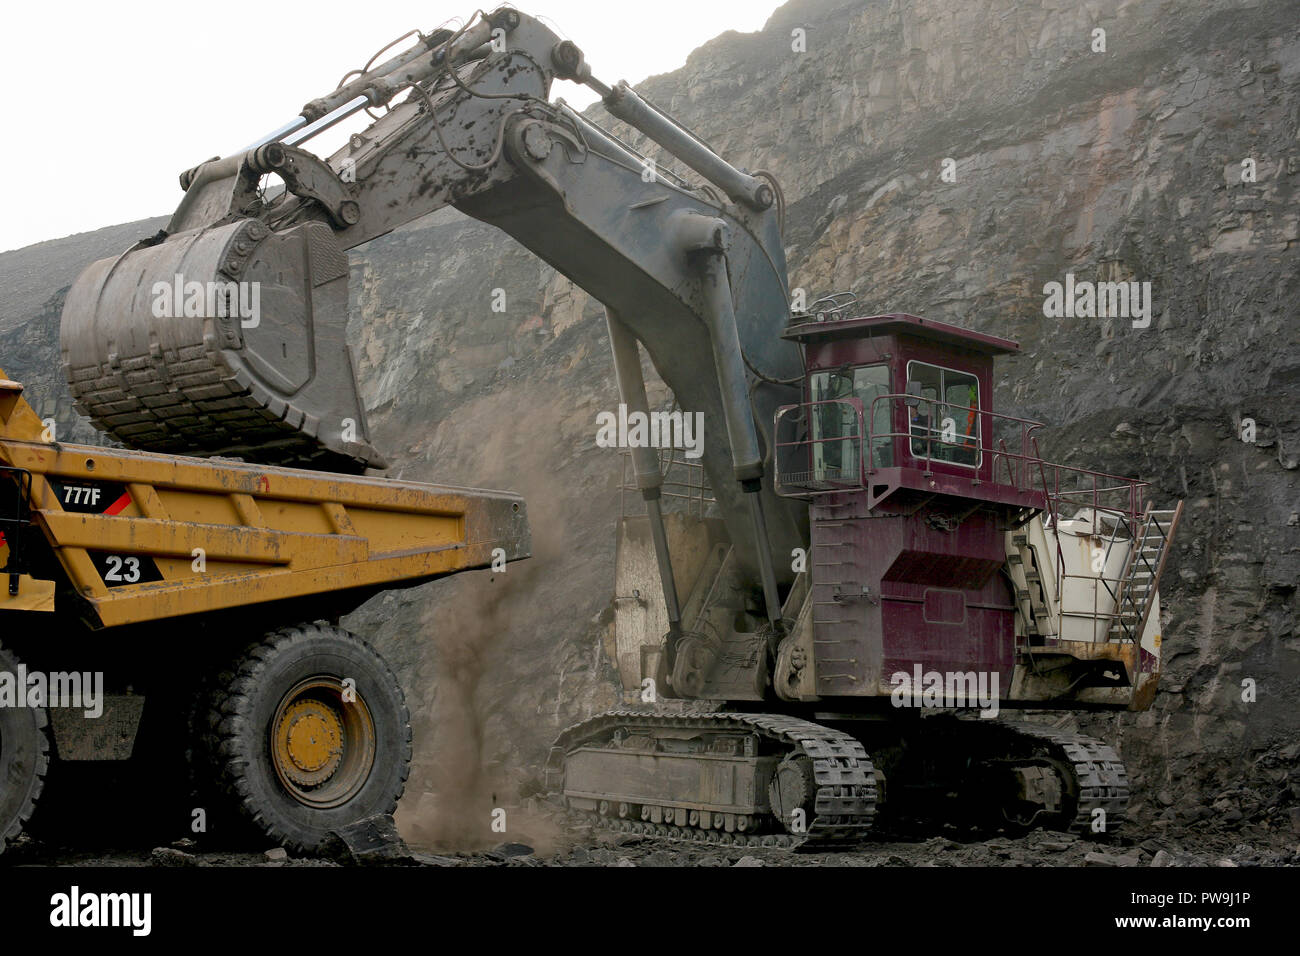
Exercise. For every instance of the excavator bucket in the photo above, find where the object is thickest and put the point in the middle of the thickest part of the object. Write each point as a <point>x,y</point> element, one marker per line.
<point>227,340</point>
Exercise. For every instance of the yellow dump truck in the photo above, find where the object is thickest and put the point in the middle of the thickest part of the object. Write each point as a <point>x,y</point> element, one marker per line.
<point>162,611</point>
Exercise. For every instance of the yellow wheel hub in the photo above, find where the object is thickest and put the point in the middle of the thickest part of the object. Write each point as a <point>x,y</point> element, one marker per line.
<point>322,743</point>
<point>311,736</point>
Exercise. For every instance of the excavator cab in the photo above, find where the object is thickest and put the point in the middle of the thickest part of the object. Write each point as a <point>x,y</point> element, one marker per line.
<point>910,394</point>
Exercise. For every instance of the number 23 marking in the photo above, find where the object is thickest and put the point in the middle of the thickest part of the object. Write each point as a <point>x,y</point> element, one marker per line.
<point>115,565</point>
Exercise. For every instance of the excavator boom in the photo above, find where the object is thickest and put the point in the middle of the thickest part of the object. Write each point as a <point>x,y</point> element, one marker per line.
<point>225,333</point>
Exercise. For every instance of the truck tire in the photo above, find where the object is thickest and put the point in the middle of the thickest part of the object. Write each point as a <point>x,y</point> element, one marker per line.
<point>311,734</point>
<point>24,760</point>
<point>222,825</point>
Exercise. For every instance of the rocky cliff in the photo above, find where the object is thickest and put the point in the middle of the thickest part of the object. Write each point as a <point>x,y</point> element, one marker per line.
<point>938,158</point>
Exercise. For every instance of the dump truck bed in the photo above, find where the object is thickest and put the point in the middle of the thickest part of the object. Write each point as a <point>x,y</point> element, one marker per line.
<point>144,536</point>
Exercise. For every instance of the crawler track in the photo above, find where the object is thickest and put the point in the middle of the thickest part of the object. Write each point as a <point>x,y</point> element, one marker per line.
<point>843,795</point>
<point>1100,778</point>
<point>843,801</point>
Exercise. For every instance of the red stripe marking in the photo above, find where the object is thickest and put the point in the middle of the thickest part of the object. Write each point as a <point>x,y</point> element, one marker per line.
<point>118,506</point>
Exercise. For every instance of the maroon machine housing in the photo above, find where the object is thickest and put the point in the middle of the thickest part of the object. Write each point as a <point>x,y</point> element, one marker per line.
<point>913,484</point>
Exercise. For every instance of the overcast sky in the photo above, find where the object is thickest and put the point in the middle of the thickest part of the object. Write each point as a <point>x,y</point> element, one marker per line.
<point>108,102</point>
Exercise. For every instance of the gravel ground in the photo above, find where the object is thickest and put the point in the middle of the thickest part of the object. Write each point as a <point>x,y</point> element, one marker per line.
<point>1206,845</point>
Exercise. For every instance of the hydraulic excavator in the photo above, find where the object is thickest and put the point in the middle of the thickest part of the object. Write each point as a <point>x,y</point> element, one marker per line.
<point>885,561</point>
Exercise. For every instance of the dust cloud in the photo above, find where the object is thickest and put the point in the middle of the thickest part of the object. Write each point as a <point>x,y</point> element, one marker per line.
<point>471,628</point>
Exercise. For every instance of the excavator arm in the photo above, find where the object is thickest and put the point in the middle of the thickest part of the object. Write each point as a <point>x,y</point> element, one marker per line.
<point>225,333</point>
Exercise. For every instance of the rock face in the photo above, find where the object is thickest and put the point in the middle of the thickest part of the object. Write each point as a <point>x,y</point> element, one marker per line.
<point>943,159</point>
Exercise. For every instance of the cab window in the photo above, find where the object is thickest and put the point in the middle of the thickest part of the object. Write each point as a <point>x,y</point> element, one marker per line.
<point>945,423</point>
<point>838,421</point>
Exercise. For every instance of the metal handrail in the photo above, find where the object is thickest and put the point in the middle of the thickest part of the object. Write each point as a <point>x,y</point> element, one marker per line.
<point>1121,498</point>
<point>1026,471</point>
<point>804,479</point>
<point>1001,452</point>
<point>693,488</point>
<point>1117,503</point>
<point>1019,466</point>
<point>1028,458</point>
